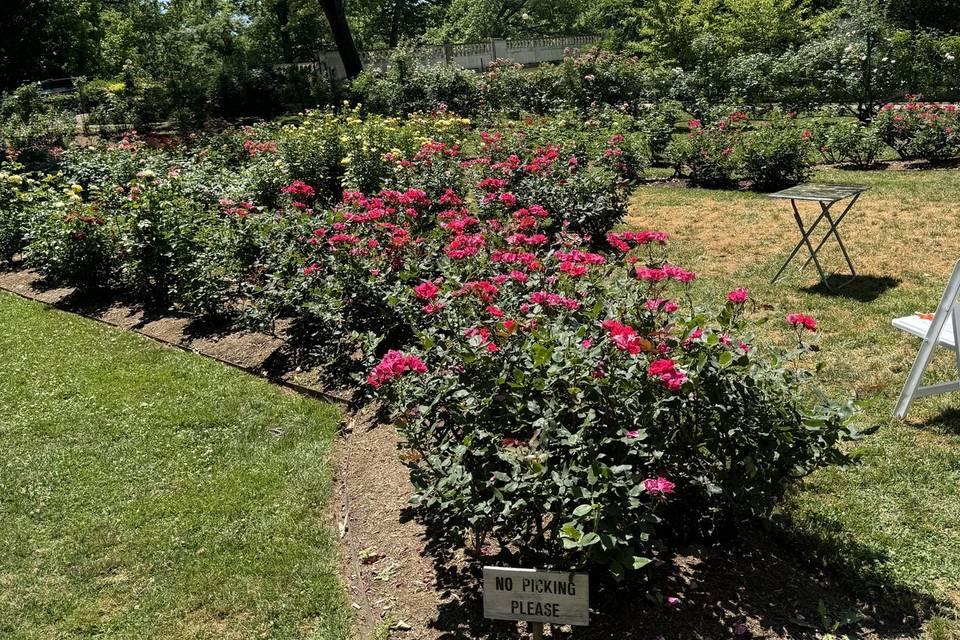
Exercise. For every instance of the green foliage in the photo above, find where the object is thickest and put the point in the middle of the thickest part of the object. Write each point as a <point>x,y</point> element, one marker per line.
<point>920,130</point>
<point>848,142</point>
<point>32,124</point>
<point>763,26</point>
<point>770,154</point>
<point>657,123</point>
<point>472,20</point>
<point>157,226</point>
<point>549,427</point>
<point>69,242</point>
<point>407,86</point>
<point>776,154</point>
<point>18,195</point>
<point>708,152</point>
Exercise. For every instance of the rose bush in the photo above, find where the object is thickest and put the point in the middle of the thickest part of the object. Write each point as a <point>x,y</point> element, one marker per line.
<point>68,240</point>
<point>776,154</point>
<point>558,401</point>
<point>848,142</point>
<point>708,152</point>
<point>771,155</point>
<point>921,130</point>
<point>20,193</point>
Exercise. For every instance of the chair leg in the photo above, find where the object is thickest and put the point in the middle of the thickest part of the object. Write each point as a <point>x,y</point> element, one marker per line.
<point>913,379</point>
<point>948,305</point>
<point>955,318</point>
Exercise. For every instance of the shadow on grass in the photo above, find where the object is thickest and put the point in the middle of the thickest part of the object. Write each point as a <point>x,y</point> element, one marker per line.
<point>863,288</point>
<point>847,166</point>
<point>947,421</point>
<point>762,584</point>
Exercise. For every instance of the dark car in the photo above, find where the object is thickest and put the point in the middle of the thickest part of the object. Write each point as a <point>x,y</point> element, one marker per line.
<point>57,85</point>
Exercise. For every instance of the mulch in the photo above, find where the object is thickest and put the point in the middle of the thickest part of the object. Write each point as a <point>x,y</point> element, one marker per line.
<point>755,586</point>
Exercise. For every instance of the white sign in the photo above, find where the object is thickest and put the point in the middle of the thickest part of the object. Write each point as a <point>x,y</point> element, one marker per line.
<point>557,597</point>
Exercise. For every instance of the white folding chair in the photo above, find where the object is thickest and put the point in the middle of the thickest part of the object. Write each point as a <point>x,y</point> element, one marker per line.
<point>942,331</point>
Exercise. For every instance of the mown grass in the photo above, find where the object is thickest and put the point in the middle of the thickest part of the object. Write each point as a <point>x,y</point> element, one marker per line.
<point>150,493</point>
<point>894,519</point>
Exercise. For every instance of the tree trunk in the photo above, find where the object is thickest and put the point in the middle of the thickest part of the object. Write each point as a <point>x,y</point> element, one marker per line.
<point>396,17</point>
<point>340,28</point>
<point>282,12</point>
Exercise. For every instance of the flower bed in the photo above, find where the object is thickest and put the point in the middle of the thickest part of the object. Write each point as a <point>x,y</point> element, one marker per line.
<point>558,389</point>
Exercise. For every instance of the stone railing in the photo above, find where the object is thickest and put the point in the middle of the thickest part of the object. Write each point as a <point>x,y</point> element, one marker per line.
<point>469,55</point>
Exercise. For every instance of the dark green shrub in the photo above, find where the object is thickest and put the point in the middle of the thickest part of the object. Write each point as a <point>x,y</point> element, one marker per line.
<point>776,154</point>
<point>71,243</point>
<point>708,153</point>
<point>19,195</point>
<point>157,230</point>
<point>407,86</point>
<point>848,142</point>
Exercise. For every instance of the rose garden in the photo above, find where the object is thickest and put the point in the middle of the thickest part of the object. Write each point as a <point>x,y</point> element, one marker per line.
<point>537,334</point>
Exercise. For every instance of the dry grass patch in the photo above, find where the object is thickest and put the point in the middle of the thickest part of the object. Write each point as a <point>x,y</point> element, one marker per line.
<point>894,519</point>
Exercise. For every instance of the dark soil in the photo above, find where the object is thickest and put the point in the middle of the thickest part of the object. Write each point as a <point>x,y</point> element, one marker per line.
<point>758,586</point>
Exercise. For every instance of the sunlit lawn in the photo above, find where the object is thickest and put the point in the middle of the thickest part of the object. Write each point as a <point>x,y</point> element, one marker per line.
<point>895,518</point>
<point>149,493</point>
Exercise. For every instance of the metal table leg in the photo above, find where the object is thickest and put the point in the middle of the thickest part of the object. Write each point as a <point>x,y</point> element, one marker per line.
<point>834,224</point>
<point>805,233</point>
<point>833,230</point>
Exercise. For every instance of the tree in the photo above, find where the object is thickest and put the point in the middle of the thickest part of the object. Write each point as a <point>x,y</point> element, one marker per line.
<point>44,38</point>
<point>941,15</point>
<point>763,26</point>
<point>384,23</point>
<point>865,30</point>
<point>342,37</point>
<point>672,28</point>
<point>466,20</point>
<point>281,11</point>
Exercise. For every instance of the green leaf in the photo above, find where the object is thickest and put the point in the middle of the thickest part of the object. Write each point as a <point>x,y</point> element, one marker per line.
<point>570,531</point>
<point>582,510</point>
<point>589,539</point>
<point>617,570</point>
<point>541,355</point>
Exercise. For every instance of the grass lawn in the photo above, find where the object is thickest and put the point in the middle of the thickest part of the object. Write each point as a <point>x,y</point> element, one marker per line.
<point>150,493</point>
<point>895,518</point>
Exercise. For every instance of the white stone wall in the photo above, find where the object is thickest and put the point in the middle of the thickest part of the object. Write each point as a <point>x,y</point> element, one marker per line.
<point>470,55</point>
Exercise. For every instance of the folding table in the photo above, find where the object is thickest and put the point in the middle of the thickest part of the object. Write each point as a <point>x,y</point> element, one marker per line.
<point>826,195</point>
